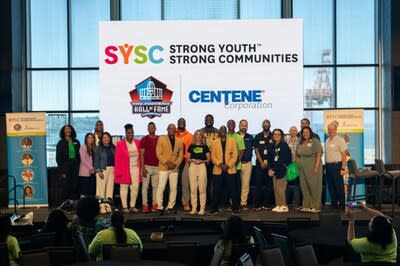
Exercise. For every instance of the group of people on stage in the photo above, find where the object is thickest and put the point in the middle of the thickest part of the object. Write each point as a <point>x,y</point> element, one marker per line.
<point>213,165</point>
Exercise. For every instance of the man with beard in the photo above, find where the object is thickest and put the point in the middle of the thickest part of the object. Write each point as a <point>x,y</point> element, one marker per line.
<point>98,132</point>
<point>245,173</point>
<point>210,134</point>
<point>187,139</point>
<point>305,122</point>
<point>264,196</point>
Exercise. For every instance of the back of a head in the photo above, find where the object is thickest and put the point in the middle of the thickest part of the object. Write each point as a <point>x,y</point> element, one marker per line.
<point>381,231</point>
<point>87,209</point>
<point>117,222</point>
<point>5,227</point>
<point>56,221</point>
<point>235,230</point>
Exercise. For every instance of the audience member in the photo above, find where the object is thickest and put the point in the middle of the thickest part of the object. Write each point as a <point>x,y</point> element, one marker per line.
<point>58,223</point>
<point>10,241</point>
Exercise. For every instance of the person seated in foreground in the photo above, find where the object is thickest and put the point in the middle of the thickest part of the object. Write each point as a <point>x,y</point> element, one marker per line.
<point>86,223</point>
<point>58,222</point>
<point>10,241</point>
<point>115,234</point>
<point>380,243</point>
<point>235,232</point>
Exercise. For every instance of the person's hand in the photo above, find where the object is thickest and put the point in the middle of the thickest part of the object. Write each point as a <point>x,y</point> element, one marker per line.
<point>315,171</point>
<point>144,172</point>
<point>271,172</point>
<point>171,165</point>
<point>101,175</point>
<point>224,167</point>
<point>92,171</point>
<point>342,172</point>
<point>350,214</point>
<point>263,165</point>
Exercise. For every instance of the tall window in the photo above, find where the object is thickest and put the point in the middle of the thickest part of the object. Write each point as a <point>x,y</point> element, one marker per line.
<point>62,56</point>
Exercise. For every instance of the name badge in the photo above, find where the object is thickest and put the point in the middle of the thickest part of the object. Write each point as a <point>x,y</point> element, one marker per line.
<point>331,145</point>
<point>276,158</point>
<point>262,142</point>
<point>265,152</point>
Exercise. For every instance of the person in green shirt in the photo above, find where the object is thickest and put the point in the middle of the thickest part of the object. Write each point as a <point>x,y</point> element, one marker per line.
<point>116,234</point>
<point>380,244</point>
<point>10,241</point>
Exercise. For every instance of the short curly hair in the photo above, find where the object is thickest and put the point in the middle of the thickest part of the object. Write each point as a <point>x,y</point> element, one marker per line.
<point>87,208</point>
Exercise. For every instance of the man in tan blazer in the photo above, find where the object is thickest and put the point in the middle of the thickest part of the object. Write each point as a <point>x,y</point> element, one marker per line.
<point>224,155</point>
<point>169,151</point>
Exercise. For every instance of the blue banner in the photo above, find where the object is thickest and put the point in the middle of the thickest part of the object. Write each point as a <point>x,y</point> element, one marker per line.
<point>26,142</point>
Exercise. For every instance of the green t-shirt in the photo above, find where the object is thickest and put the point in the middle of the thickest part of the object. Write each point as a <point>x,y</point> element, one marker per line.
<point>239,144</point>
<point>372,252</point>
<point>107,236</point>
<point>13,248</point>
<point>71,150</point>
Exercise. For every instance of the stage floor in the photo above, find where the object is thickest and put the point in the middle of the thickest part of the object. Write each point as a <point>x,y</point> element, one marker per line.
<point>40,215</point>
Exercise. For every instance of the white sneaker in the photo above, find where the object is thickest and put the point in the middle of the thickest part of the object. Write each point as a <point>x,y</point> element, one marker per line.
<point>284,209</point>
<point>193,212</point>
<point>276,209</point>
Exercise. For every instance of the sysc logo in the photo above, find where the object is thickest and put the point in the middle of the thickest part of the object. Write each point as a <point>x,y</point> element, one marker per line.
<point>151,98</point>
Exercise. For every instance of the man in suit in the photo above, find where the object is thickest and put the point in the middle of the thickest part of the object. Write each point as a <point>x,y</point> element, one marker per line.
<point>224,154</point>
<point>169,151</point>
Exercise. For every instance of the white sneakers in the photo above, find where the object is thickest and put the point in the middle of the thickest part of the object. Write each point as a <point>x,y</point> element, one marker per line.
<point>280,209</point>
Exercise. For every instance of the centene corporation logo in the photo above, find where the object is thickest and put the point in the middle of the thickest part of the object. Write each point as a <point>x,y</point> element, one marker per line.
<point>151,98</point>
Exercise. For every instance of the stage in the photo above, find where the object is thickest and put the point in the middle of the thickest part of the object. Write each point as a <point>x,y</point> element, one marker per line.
<point>250,216</point>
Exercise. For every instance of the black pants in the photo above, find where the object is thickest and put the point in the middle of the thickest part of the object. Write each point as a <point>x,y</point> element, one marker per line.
<point>264,192</point>
<point>70,182</point>
<point>335,184</point>
<point>231,181</point>
<point>87,185</point>
<point>210,182</point>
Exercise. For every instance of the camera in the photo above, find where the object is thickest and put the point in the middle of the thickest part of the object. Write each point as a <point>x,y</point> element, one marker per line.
<point>353,204</point>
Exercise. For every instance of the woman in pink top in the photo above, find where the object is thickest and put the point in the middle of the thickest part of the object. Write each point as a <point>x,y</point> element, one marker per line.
<point>128,168</point>
<point>87,179</point>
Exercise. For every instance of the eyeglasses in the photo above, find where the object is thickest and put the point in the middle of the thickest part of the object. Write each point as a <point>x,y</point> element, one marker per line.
<point>277,134</point>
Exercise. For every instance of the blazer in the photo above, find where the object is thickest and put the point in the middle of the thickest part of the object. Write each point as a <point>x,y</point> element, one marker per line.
<point>100,158</point>
<point>86,161</point>
<point>122,165</point>
<point>62,155</point>
<point>165,153</point>
<point>231,154</point>
<point>279,158</point>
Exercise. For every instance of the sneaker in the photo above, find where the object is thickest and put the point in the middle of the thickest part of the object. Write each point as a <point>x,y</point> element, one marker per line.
<point>125,210</point>
<point>257,209</point>
<point>305,209</point>
<point>202,212</point>
<point>103,211</point>
<point>193,211</point>
<point>186,207</point>
<point>276,209</point>
<point>244,208</point>
<point>134,209</point>
<point>284,209</point>
<point>145,208</point>
<point>313,210</point>
<point>154,208</point>
<point>266,208</point>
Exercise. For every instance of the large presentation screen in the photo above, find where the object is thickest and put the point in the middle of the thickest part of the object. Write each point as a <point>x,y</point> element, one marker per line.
<point>233,69</point>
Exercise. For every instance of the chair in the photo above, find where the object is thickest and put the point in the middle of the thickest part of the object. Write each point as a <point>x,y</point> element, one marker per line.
<point>260,238</point>
<point>121,253</point>
<point>182,252</point>
<point>392,175</point>
<point>36,257</point>
<point>61,255</point>
<point>218,255</point>
<point>82,252</point>
<point>330,219</point>
<point>356,175</point>
<point>283,243</point>
<point>4,259</point>
<point>305,256</point>
<point>41,240</point>
<point>272,257</point>
<point>238,250</point>
<point>245,260</point>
